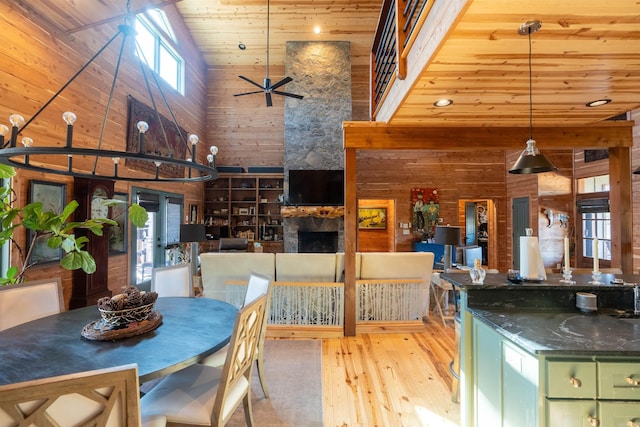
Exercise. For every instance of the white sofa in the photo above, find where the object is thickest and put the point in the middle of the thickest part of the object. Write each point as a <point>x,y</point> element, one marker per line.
<point>309,287</point>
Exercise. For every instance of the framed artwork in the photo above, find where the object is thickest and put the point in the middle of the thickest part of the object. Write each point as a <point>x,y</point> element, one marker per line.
<point>53,197</point>
<point>118,233</point>
<point>425,204</point>
<point>372,218</point>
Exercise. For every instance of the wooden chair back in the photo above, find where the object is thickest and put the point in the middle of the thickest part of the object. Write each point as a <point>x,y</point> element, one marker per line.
<point>24,302</point>
<point>238,366</point>
<point>97,398</point>
<point>172,281</point>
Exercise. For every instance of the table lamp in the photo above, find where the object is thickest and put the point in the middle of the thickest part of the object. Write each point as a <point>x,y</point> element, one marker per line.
<point>447,236</point>
<point>193,233</point>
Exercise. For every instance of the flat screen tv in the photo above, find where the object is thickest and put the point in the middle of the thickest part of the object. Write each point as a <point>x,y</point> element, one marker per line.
<point>316,187</point>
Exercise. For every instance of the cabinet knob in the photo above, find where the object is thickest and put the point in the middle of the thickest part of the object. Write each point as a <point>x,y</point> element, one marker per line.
<point>631,381</point>
<point>575,382</point>
<point>593,421</point>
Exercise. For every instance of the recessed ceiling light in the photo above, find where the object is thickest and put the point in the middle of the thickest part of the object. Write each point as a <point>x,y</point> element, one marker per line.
<point>316,29</point>
<point>443,103</point>
<point>598,102</point>
<point>242,46</point>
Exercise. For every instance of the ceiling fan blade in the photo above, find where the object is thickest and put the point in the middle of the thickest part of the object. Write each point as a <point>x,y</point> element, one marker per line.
<point>268,95</point>
<point>292,95</point>
<point>281,82</point>
<point>252,82</point>
<point>248,93</point>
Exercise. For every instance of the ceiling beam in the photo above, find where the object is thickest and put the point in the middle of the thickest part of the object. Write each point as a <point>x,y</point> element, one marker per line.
<point>381,136</point>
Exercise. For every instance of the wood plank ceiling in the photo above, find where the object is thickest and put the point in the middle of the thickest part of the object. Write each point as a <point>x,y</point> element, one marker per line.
<point>586,50</point>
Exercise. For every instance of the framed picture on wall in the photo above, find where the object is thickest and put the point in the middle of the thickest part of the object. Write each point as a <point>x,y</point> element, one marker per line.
<point>118,233</point>
<point>53,197</point>
<point>372,218</point>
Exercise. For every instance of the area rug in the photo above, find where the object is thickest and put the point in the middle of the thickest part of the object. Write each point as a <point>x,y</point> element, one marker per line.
<point>293,373</point>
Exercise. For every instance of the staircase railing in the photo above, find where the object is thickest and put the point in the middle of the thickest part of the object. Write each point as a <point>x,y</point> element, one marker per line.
<point>400,21</point>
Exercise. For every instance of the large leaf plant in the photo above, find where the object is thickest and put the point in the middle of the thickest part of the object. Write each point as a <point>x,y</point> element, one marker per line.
<point>56,227</point>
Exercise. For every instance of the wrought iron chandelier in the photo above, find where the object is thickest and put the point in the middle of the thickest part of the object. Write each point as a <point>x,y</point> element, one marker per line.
<point>42,158</point>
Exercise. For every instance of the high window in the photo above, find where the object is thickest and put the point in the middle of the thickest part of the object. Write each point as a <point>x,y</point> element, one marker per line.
<point>157,47</point>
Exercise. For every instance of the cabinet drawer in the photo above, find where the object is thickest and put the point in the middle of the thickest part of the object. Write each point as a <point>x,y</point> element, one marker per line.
<point>619,380</point>
<point>619,414</point>
<point>571,413</point>
<point>571,379</point>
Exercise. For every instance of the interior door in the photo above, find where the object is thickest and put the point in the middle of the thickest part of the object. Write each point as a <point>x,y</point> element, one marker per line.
<point>520,215</point>
<point>478,219</point>
<point>470,215</point>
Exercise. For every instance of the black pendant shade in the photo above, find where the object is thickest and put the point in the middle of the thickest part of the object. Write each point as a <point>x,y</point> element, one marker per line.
<point>532,161</point>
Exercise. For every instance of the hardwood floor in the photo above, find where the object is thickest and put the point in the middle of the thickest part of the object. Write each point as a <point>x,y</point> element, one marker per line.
<point>390,379</point>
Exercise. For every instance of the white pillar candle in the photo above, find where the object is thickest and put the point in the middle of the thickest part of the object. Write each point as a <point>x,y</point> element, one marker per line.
<point>567,264</point>
<point>596,262</point>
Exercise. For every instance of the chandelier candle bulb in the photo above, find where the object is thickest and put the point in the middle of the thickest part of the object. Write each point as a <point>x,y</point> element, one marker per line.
<point>69,118</point>
<point>142,128</point>
<point>3,131</point>
<point>16,121</point>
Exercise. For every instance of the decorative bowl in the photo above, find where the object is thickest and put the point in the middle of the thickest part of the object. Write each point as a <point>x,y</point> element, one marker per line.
<point>122,318</point>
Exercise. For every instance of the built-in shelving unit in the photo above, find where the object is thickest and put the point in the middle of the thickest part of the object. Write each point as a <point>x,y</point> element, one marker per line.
<point>246,205</point>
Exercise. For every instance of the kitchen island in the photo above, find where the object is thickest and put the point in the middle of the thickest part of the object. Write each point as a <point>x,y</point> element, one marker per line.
<point>529,357</point>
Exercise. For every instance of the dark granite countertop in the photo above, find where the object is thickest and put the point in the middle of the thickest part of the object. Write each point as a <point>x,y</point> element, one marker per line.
<point>566,333</point>
<point>542,317</point>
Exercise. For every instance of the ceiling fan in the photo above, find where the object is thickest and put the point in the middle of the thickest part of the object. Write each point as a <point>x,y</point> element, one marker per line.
<point>267,87</point>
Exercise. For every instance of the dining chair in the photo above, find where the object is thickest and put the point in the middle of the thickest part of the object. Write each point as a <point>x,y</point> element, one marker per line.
<point>258,284</point>
<point>206,395</point>
<point>172,281</point>
<point>24,302</point>
<point>101,397</point>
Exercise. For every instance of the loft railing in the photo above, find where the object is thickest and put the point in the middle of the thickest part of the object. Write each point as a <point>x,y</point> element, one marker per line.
<point>400,21</point>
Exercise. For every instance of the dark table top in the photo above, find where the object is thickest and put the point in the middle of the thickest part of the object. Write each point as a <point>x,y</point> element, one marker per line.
<point>192,328</point>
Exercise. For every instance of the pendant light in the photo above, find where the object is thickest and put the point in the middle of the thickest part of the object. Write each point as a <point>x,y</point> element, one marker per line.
<point>531,160</point>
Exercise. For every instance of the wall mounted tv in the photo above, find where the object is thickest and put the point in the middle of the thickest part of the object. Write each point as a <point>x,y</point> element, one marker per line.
<point>316,187</point>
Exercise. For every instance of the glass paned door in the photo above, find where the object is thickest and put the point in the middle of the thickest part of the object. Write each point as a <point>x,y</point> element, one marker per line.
<point>156,242</point>
<point>145,253</point>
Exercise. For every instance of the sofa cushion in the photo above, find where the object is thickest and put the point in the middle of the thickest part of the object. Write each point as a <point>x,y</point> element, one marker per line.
<point>220,267</point>
<point>305,267</point>
<point>396,265</point>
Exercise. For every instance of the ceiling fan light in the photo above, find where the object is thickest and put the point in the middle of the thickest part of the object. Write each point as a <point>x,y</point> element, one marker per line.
<point>532,161</point>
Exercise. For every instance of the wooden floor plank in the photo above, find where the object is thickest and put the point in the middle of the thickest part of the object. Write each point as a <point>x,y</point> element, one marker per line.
<point>399,379</point>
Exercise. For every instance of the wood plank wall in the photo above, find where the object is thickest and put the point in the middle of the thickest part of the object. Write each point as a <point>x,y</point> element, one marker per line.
<point>37,58</point>
<point>456,175</point>
<point>245,130</point>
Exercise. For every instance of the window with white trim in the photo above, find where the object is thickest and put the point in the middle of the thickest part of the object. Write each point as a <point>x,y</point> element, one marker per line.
<point>157,47</point>
<point>595,217</point>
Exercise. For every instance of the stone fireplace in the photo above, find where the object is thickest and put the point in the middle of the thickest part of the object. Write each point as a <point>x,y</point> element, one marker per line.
<point>321,71</point>
<point>317,241</point>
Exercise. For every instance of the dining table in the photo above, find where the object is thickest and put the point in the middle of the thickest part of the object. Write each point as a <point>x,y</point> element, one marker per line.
<point>191,329</point>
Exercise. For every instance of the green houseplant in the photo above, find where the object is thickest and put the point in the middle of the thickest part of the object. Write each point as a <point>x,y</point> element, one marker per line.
<point>58,228</point>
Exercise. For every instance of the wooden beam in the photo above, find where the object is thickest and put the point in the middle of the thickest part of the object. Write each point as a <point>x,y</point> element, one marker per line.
<point>620,196</point>
<point>350,239</point>
<point>381,136</point>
